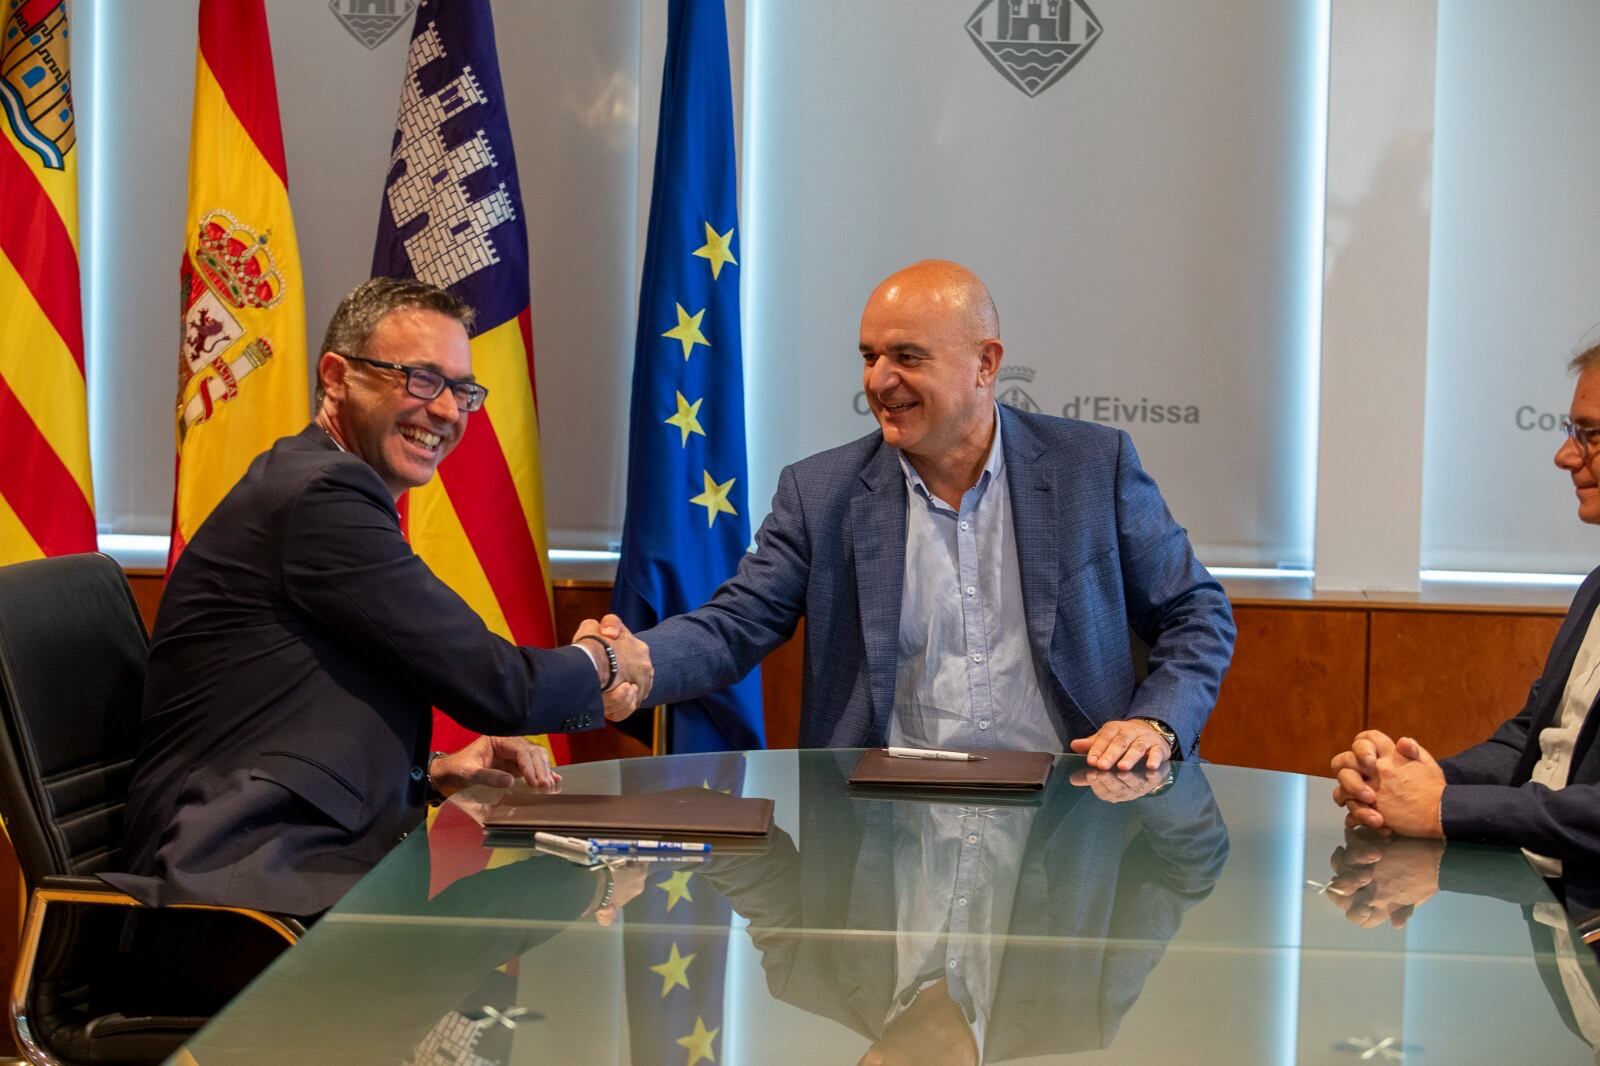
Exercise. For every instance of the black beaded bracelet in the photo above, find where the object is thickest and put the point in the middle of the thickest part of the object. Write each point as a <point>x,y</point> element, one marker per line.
<point>611,660</point>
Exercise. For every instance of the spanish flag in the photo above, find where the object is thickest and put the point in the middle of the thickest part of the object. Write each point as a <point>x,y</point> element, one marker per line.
<point>452,216</point>
<point>46,502</point>
<point>242,379</point>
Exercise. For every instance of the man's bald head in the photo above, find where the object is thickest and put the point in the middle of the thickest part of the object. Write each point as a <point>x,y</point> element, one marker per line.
<point>944,288</point>
<point>931,347</point>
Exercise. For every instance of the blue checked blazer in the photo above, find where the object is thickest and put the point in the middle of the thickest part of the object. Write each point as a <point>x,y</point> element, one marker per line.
<point>1098,551</point>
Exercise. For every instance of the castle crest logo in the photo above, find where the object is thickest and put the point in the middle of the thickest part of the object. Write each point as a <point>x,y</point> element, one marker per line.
<point>372,21</point>
<point>1009,390</point>
<point>1033,43</point>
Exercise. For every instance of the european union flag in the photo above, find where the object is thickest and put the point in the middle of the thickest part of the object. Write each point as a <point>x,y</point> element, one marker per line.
<point>688,522</point>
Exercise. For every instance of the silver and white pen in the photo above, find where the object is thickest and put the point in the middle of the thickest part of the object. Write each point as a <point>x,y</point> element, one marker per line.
<point>556,840</point>
<point>934,753</point>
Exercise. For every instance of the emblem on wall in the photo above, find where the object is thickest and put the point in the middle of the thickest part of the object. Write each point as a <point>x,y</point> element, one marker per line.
<point>372,21</point>
<point>1032,43</point>
<point>1010,392</point>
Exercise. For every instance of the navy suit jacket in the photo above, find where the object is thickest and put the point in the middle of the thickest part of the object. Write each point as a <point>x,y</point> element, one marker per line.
<point>1098,553</point>
<point>1490,798</point>
<point>298,650</point>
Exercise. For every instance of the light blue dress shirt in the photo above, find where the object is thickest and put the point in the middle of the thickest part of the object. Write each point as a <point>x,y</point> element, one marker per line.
<point>965,676</point>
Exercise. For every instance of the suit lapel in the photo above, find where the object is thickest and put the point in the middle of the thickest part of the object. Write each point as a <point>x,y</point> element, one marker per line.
<point>878,529</point>
<point>1034,522</point>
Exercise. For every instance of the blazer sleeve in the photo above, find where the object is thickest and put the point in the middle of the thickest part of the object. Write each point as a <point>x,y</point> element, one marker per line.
<point>1174,605</point>
<point>346,565</point>
<point>748,616</point>
<point>1561,823</point>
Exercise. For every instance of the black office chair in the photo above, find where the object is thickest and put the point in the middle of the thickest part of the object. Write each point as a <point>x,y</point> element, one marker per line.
<point>72,662</point>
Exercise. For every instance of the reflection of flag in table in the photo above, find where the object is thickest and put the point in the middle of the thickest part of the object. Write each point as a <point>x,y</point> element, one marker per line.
<point>675,969</point>
<point>452,216</point>
<point>687,522</point>
<point>46,504</point>
<point>242,379</point>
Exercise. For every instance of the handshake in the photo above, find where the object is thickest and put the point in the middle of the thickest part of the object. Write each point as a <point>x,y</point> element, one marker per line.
<point>622,662</point>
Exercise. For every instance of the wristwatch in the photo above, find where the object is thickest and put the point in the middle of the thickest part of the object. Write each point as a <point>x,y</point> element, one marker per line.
<point>1166,734</point>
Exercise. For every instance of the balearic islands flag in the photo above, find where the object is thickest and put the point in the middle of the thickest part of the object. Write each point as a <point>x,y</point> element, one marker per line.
<point>452,216</point>
<point>46,504</point>
<point>242,379</point>
<point>687,524</point>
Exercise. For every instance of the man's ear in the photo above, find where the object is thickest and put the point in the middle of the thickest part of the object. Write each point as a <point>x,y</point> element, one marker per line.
<point>990,353</point>
<point>331,371</point>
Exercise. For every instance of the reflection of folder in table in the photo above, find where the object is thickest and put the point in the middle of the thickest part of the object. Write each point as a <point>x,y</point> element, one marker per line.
<point>696,813</point>
<point>998,771</point>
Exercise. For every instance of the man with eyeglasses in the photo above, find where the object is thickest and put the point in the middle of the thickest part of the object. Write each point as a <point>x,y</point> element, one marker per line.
<point>301,643</point>
<point>1536,782</point>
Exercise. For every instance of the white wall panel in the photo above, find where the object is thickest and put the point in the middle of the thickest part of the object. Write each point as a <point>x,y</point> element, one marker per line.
<point>1148,226</point>
<point>1515,281</point>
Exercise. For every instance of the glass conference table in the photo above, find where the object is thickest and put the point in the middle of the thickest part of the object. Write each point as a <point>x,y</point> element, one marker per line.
<point>1218,917</point>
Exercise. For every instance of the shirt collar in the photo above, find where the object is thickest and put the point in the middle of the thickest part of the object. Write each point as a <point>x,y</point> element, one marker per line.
<point>993,467</point>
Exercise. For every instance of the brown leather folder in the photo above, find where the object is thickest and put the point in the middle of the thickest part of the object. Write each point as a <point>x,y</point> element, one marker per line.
<point>695,813</point>
<point>999,771</point>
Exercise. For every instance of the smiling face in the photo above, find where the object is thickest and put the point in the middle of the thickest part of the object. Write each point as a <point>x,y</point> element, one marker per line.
<point>1584,468</point>
<point>929,355</point>
<point>368,410</point>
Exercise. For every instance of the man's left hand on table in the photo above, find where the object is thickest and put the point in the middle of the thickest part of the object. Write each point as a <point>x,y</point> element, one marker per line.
<point>498,762</point>
<point>1124,744</point>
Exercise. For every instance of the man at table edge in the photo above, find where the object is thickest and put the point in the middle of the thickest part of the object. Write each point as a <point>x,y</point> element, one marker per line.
<point>968,556</point>
<point>1535,783</point>
<point>301,642</point>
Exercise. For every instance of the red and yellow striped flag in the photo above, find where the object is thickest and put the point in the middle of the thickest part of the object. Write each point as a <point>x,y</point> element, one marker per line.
<point>452,216</point>
<point>46,501</point>
<point>242,379</point>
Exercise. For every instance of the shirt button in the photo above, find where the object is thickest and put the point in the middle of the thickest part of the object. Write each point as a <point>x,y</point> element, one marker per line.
<point>983,723</point>
<point>972,838</point>
<point>964,524</point>
<point>971,589</point>
<point>952,964</point>
<point>417,773</point>
<point>977,657</point>
<point>962,901</point>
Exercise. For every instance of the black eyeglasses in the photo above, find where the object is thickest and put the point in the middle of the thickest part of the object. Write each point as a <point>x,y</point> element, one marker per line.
<point>1583,436</point>
<point>426,384</point>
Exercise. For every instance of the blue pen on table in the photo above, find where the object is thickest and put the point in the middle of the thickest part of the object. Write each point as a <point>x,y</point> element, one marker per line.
<point>650,845</point>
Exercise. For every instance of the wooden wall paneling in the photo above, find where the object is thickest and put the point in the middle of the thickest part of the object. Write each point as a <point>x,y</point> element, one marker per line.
<point>147,586</point>
<point>780,691</point>
<point>1449,678</point>
<point>1296,692</point>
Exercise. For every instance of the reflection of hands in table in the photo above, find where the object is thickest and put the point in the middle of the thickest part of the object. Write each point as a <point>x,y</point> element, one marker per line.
<point>625,881</point>
<point>1119,786</point>
<point>498,762</point>
<point>1124,744</point>
<point>635,673</point>
<point>1389,784</point>
<point>1378,879</point>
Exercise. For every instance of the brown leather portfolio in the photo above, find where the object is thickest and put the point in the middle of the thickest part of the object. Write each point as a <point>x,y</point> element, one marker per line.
<point>681,812</point>
<point>1007,771</point>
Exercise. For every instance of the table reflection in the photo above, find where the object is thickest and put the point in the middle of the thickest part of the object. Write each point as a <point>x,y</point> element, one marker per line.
<point>1017,930</point>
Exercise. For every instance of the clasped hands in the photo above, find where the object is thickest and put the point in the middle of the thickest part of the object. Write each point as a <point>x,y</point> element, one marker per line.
<point>635,674</point>
<point>1393,785</point>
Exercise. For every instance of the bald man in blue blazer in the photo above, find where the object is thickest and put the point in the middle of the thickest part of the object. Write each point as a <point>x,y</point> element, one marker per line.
<point>969,573</point>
